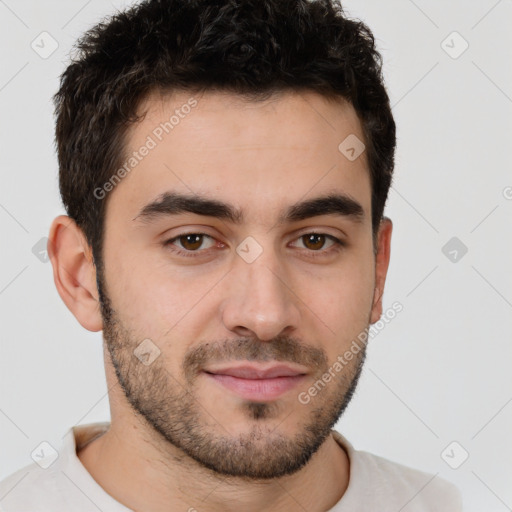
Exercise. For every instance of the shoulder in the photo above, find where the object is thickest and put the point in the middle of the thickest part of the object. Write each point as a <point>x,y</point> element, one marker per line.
<point>29,488</point>
<point>57,481</point>
<point>380,481</point>
<point>426,491</point>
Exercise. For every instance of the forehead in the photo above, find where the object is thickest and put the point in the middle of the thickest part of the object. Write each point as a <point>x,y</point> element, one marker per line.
<point>259,155</point>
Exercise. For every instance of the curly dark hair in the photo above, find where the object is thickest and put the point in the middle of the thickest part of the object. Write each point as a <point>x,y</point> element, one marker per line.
<point>252,48</point>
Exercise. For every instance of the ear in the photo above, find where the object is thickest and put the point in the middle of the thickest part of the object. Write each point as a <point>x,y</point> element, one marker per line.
<point>74,272</point>
<point>381,266</point>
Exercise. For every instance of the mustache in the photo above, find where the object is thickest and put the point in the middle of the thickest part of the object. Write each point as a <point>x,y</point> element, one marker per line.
<point>281,348</point>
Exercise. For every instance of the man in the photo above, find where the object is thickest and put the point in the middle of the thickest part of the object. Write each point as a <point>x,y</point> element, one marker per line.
<point>224,166</point>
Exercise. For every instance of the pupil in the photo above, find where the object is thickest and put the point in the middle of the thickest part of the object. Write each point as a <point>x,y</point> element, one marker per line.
<point>315,240</point>
<point>192,241</point>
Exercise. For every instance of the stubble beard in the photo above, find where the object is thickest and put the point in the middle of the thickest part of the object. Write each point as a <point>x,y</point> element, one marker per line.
<point>169,406</point>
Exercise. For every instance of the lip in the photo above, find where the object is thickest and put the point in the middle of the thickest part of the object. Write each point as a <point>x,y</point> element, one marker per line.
<point>257,383</point>
<point>251,371</point>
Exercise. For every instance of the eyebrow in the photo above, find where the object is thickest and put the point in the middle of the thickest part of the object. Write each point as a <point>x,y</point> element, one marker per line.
<point>173,203</point>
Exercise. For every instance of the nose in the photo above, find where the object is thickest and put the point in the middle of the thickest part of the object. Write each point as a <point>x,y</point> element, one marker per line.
<point>260,302</point>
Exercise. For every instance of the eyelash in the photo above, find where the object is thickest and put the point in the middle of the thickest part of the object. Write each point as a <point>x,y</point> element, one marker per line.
<point>338,245</point>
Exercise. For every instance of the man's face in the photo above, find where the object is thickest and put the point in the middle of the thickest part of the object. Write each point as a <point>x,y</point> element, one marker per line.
<point>241,313</point>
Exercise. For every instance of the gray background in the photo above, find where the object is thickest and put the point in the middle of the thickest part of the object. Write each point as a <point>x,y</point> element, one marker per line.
<point>439,372</point>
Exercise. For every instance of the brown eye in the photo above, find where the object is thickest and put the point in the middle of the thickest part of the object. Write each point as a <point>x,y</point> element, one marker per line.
<point>191,242</point>
<point>314,241</point>
<point>319,244</point>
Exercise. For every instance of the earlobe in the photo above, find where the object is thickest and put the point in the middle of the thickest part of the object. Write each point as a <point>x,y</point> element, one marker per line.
<point>74,272</point>
<point>381,266</point>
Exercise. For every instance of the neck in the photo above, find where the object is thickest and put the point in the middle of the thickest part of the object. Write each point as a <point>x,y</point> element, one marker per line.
<point>145,473</point>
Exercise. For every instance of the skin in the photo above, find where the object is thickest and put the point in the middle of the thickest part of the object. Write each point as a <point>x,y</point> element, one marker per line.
<point>260,157</point>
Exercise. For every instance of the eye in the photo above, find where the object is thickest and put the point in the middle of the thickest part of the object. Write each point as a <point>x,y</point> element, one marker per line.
<point>317,241</point>
<point>194,244</point>
<point>191,242</point>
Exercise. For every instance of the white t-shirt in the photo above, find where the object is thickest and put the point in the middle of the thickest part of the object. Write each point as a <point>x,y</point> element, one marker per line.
<point>62,484</point>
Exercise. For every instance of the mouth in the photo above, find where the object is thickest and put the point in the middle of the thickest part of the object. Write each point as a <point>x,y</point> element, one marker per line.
<point>256,382</point>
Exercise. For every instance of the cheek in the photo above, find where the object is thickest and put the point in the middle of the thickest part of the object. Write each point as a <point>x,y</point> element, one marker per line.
<point>154,299</point>
<point>150,305</point>
<point>343,300</point>
<point>139,295</point>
